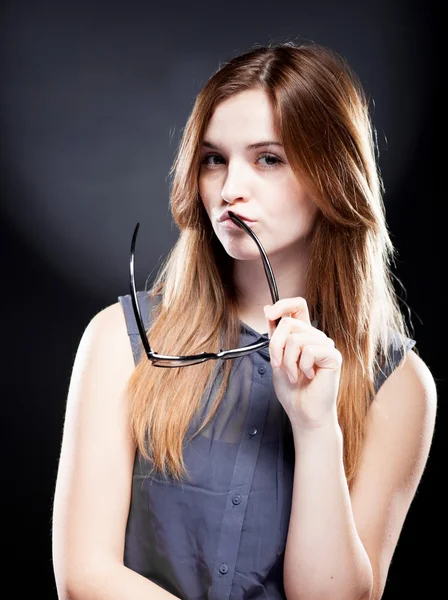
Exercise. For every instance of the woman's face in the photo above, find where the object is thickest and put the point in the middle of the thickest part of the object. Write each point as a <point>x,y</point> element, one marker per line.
<point>244,169</point>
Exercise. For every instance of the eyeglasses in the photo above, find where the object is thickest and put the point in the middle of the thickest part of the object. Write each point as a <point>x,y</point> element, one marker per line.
<point>161,360</point>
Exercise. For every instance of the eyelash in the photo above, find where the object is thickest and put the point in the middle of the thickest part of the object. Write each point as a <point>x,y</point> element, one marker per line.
<point>265,155</point>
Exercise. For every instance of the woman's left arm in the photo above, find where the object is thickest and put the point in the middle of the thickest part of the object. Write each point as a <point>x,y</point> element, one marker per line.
<point>398,438</point>
<point>340,543</point>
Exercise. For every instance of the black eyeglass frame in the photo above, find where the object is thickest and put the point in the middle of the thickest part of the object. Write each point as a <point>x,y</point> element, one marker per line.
<point>161,360</point>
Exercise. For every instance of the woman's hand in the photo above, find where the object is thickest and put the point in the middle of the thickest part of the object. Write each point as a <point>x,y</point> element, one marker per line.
<point>306,366</point>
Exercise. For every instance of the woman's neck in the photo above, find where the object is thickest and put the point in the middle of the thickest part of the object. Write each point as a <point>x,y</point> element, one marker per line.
<point>253,289</point>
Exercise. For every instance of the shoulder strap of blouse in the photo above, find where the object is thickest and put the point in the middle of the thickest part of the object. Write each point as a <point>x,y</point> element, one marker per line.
<point>395,355</point>
<point>131,324</point>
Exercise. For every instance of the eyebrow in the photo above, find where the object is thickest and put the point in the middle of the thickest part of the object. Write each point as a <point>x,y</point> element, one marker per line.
<point>208,144</point>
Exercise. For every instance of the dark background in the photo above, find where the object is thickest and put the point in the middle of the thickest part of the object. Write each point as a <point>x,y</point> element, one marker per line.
<point>92,103</point>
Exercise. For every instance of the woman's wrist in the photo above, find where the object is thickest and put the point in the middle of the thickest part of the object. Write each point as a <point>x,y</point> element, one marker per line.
<point>328,432</point>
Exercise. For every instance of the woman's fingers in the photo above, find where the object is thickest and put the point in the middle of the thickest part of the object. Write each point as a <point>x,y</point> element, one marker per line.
<point>297,308</point>
<point>324,357</point>
<point>300,353</point>
<point>293,340</point>
<point>286,327</point>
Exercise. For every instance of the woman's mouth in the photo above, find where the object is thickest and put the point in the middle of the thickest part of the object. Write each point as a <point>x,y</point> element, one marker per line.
<point>229,224</point>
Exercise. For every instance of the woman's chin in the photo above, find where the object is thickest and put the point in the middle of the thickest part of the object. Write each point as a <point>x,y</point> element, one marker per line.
<point>240,248</point>
<point>241,253</point>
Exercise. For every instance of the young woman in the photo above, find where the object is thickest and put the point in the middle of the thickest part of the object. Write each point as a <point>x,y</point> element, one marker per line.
<point>285,470</point>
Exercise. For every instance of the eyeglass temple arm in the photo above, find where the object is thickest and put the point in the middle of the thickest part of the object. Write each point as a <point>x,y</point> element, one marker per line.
<point>266,264</point>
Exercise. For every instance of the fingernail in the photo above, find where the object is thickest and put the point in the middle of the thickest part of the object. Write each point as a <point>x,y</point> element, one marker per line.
<point>268,313</point>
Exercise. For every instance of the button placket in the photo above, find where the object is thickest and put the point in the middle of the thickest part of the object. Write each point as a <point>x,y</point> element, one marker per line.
<point>234,514</point>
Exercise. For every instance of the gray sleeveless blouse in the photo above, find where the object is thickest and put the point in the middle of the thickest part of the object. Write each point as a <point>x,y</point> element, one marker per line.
<point>221,533</point>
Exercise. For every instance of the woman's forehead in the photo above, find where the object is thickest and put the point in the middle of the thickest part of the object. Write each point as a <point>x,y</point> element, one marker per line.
<point>244,113</point>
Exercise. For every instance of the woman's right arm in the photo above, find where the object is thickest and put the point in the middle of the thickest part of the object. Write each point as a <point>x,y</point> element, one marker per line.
<point>94,478</point>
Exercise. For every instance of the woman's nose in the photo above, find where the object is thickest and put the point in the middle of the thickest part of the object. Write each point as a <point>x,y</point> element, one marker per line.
<point>236,185</point>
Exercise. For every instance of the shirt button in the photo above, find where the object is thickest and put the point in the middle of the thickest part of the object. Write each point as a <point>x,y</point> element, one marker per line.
<point>253,431</point>
<point>236,499</point>
<point>223,569</point>
<point>262,369</point>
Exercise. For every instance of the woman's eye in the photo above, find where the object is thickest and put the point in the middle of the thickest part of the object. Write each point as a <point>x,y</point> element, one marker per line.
<point>210,163</point>
<point>272,160</point>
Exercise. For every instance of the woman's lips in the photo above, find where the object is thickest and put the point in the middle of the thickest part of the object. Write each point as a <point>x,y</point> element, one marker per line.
<point>229,224</point>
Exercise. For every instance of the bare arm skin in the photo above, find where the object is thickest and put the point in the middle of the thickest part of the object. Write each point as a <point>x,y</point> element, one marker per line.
<point>340,544</point>
<point>94,476</point>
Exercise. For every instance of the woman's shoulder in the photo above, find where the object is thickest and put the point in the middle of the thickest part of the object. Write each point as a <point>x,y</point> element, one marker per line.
<point>104,343</point>
<point>119,317</point>
<point>108,321</point>
<point>410,390</point>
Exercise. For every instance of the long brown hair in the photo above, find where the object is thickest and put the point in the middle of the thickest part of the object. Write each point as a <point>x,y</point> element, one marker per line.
<point>322,117</point>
